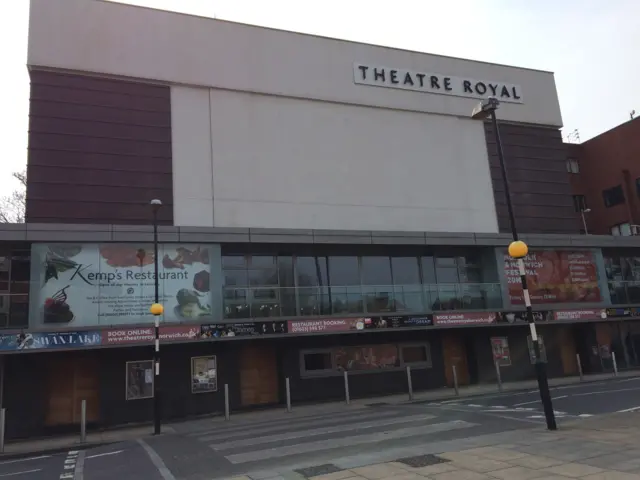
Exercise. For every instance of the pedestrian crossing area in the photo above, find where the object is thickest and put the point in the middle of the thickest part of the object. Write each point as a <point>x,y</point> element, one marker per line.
<point>288,439</point>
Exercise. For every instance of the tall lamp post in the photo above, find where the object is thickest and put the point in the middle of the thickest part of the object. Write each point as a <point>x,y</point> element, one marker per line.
<point>518,250</point>
<point>584,219</point>
<point>156,310</point>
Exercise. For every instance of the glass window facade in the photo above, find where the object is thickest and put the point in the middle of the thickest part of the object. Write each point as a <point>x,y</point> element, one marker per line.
<point>623,276</point>
<point>319,285</point>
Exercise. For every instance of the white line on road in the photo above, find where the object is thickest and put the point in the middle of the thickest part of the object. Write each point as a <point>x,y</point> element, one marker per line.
<point>20,473</point>
<point>561,396</point>
<point>604,392</point>
<point>627,380</point>
<point>24,459</point>
<point>632,409</point>
<point>104,454</point>
<point>526,403</point>
<point>157,461</point>
<point>585,415</point>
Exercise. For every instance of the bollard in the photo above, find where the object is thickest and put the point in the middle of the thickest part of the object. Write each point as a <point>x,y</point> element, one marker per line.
<point>499,376</point>
<point>615,364</point>
<point>579,367</point>
<point>455,381</point>
<point>83,421</point>
<point>2,420</point>
<point>409,382</point>
<point>286,383</point>
<point>226,401</point>
<point>346,388</point>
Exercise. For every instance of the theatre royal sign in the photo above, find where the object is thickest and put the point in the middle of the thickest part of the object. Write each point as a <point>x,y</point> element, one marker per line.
<point>417,81</point>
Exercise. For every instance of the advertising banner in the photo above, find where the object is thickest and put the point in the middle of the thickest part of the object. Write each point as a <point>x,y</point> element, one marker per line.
<point>49,340</point>
<point>399,322</point>
<point>555,276</point>
<point>471,318</point>
<point>111,284</point>
<point>124,336</point>
<point>246,329</point>
<point>629,312</point>
<point>330,325</point>
<point>594,314</point>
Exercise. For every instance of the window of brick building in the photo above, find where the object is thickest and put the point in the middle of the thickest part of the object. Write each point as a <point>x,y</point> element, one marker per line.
<point>613,196</point>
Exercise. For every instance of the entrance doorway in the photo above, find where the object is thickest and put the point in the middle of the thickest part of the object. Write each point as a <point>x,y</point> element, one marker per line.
<point>455,354</point>
<point>258,375</point>
<point>71,378</point>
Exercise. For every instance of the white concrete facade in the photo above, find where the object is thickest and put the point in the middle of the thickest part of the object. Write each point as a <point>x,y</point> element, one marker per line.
<point>275,129</point>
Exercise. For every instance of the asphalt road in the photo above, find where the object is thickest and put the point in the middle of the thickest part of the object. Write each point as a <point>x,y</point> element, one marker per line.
<point>267,443</point>
<point>569,402</point>
<point>38,467</point>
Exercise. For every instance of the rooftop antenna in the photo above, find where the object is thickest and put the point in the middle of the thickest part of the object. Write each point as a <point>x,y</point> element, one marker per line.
<point>574,136</point>
<point>632,114</point>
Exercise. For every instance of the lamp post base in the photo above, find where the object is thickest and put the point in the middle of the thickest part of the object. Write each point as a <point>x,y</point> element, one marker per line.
<point>156,413</point>
<point>545,395</point>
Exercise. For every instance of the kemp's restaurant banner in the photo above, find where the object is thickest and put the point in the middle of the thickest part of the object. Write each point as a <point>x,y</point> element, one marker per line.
<point>112,284</point>
<point>555,276</point>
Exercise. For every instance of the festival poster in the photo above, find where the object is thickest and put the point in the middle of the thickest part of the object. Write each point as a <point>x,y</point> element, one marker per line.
<point>555,276</point>
<point>114,284</point>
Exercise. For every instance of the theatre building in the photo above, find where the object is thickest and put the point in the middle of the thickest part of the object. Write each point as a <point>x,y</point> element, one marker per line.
<point>327,206</point>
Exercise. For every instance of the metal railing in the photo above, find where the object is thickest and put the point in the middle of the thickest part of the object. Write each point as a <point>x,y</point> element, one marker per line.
<point>624,292</point>
<point>365,299</point>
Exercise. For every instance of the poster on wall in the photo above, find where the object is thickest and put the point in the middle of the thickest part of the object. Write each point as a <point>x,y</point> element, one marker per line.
<point>139,380</point>
<point>112,284</point>
<point>555,276</point>
<point>204,374</point>
<point>501,352</point>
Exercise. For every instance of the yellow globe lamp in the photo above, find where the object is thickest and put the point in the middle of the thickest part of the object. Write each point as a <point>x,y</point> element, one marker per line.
<point>156,309</point>
<point>518,249</point>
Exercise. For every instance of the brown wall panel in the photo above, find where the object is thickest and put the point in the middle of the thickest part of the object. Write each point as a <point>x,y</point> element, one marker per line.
<point>535,158</point>
<point>99,150</point>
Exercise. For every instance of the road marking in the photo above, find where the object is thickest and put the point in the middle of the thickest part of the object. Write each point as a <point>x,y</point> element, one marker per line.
<point>526,403</point>
<point>256,440</point>
<point>585,415</point>
<point>20,473</point>
<point>104,454</point>
<point>632,409</point>
<point>24,459</point>
<point>474,405</point>
<point>604,392</point>
<point>156,460</point>
<point>627,380</point>
<point>321,445</point>
<point>502,410</point>
<point>558,398</point>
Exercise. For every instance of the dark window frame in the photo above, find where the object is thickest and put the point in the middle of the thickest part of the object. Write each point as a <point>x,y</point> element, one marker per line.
<point>613,196</point>
<point>579,203</point>
<point>573,166</point>
<point>334,372</point>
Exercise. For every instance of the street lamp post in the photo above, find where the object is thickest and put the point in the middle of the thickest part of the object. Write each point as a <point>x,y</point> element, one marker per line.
<point>518,250</point>
<point>156,310</point>
<point>584,219</point>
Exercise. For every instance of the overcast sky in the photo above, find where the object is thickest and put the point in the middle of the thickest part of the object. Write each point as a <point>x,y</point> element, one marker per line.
<point>593,46</point>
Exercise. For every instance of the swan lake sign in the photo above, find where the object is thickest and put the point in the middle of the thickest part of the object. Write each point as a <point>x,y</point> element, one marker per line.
<point>417,81</point>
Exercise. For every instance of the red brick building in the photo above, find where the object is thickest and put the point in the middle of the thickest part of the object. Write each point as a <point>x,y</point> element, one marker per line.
<point>605,179</point>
